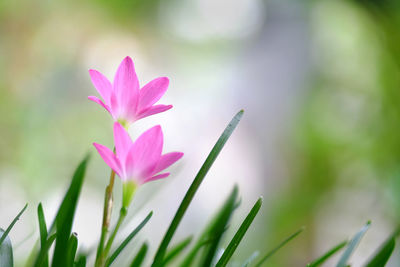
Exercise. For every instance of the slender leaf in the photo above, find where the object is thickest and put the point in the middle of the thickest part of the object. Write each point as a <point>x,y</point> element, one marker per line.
<point>218,227</point>
<point>138,260</point>
<point>128,239</point>
<point>5,234</point>
<point>383,254</point>
<point>176,250</point>
<point>327,255</point>
<point>43,233</point>
<point>65,215</point>
<point>352,246</point>
<point>42,256</point>
<point>283,243</point>
<point>158,259</point>
<point>239,234</point>
<point>6,251</point>
<point>81,262</point>
<point>71,251</point>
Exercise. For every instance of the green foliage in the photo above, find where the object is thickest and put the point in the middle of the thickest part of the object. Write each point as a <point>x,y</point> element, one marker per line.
<point>327,255</point>
<point>65,216</point>
<point>383,254</point>
<point>139,258</point>
<point>176,250</point>
<point>158,259</point>
<point>239,234</point>
<point>5,234</point>
<point>6,251</point>
<point>128,239</point>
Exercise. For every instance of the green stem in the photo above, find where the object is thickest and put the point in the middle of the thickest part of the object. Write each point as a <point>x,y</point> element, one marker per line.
<point>108,203</point>
<point>122,215</point>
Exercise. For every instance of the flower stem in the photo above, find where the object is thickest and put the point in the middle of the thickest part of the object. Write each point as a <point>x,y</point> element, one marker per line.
<point>108,203</point>
<point>122,215</point>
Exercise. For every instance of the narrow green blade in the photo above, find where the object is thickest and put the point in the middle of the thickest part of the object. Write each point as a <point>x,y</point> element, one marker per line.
<point>239,234</point>
<point>128,239</point>
<point>327,255</point>
<point>42,256</point>
<point>5,234</point>
<point>352,245</point>
<point>383,254</point>
<point>176,250</point>
<point>139,258</point>
<point>218,227</point>
<point>81,262</point>
<point>65,216</point>
<point>6,251</point>
<point>283,243</point>
<point>158,259</point>
<point>71,251</point>
<point>43,233</point>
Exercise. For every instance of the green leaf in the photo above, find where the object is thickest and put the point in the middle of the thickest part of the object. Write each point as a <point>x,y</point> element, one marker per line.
<point>65,215</point>
<point>138,260</point>
<point>158,258</point>
<point>210,233</point>
<point>383,254</point>
<point>239,234</point>
<point>327,255</point>
<point>283,243</point>
<point>81,262</point>
<point>352,245</point>
<point>5,234</point>
<point>176,250</point>
<point>42,256</point>
<point>6,251</point>
<point>218,227</point>
<point>71,251</point>
<point>43,233</point>
<point>128,239</point>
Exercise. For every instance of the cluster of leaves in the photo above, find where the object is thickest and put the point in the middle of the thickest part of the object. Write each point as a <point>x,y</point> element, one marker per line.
<point>204,252</point>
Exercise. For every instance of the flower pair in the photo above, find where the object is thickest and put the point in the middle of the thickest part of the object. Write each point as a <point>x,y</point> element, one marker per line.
<point>141,161</point>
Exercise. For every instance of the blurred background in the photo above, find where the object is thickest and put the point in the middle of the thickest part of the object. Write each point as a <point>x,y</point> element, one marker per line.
<point>319,82</point>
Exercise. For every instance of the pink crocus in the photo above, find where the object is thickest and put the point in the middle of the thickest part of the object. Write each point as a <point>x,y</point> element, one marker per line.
<point>137,162</point>
<point>124,99</point>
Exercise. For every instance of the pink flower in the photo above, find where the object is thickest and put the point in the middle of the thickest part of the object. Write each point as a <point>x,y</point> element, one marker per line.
<point>139,162</point>
<point>124,99</point>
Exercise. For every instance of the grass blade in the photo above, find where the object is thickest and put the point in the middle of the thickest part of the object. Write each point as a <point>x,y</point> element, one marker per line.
<point>158,258</point>
<point>383,254</point>
<point>128,239</point>
<point>352,245</point>
<point>239,234</point>
<point>5,234</point>
<point>71,251</point>
<point>81,262</point>
<point>138,260</point>
<point>218,227</point>
<point>6,251</point>
<point>174,252</point>
<point>41,258</point>
<point>43,233</point>
<point>65,215</point>
<point>283,243</point>
<point>327,255</point>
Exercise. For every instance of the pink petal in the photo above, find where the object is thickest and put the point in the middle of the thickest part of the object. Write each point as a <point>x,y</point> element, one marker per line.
<point>109,158</point>
<point>160,176</point>
<point>153,110</point>
<point>98,101</point>
<point>152,92</point>
<point>145,153</point>
<point>102,84</point>
<point>122,141</point>
<point>126,85</point>
<point>167,160</point>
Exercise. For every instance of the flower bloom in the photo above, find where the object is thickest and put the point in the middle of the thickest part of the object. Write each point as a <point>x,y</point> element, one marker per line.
<point>124,99</point>
<point>137,162</point>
